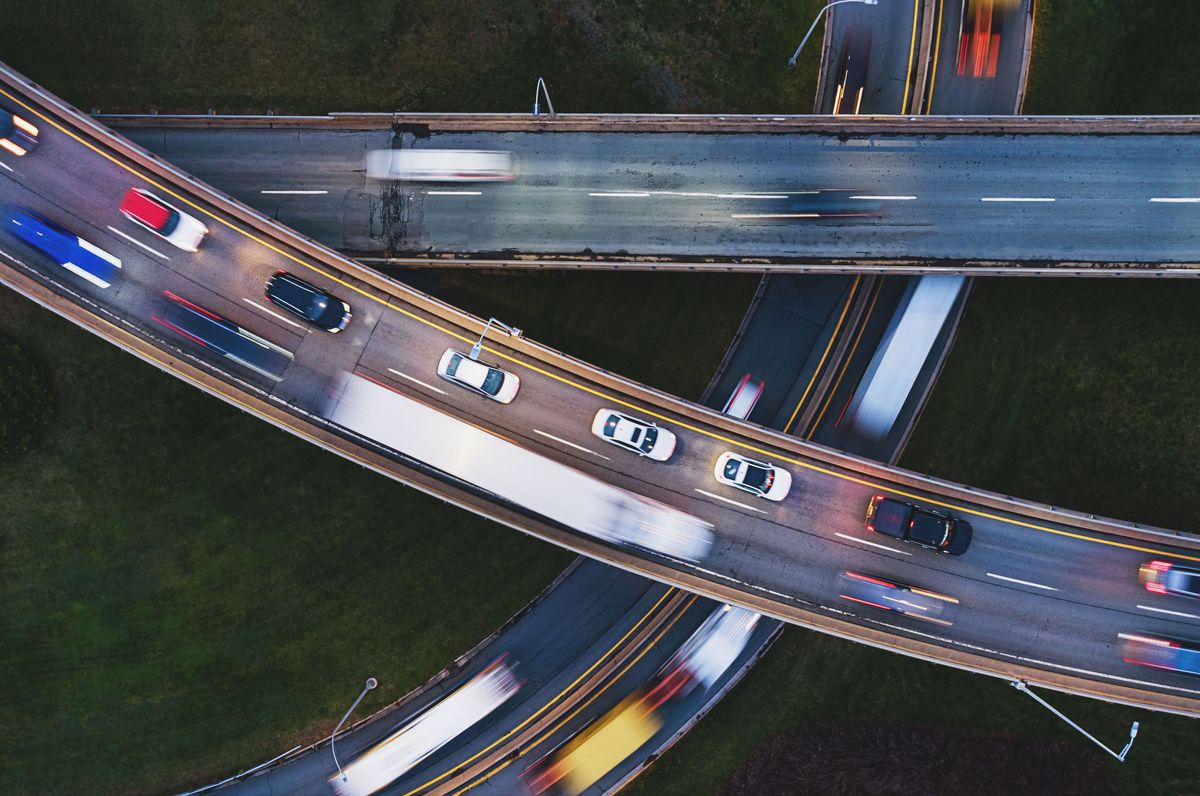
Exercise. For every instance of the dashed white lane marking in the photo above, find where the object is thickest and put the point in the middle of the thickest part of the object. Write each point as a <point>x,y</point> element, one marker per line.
<point>5,166</point>
<point>415,380</point>
<point>274,314</point>
<point>1022,582</point>
<point>571,444</point>
<point>776,215</point>
<point>751,196</point>
<point>1016,199</point>
<point>1165,611</point>
<point>731,502</point>
<point>621,194</point>
<point>137,242</point>
<point>297,193</point>
<point>1189,200</point>
<point>886,198</point>
<point>454,193</point>
<point>873,544</point>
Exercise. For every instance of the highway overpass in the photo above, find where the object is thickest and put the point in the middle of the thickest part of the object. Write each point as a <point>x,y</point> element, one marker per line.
<point>986,195</point>
<point>1044,592</point>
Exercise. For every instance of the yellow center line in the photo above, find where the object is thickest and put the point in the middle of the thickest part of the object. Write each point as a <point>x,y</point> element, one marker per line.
<point>552,701</point>
<point>912,46</point>
<point>846,364</point>
<point>937,48</point>
<point>816,468</point>
<point>824,354</point>
<point>524,750</point>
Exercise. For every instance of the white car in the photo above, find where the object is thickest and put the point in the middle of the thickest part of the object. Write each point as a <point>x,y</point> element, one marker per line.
<point>639,436</point>
<point>758,478</point>
<point>499,385</point>
<point>164,220</point>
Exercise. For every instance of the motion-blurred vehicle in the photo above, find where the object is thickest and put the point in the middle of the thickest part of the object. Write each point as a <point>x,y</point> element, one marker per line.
<point>490,382</point>
<point>308,302</point>
<point>900,598</point>
<point>536,483</point>
<point>745,396</point>
<point>440,165</point>
<point>852,71</point>
<point>1162,652</point>
<point>750,475</point>
<point>1163,577</point>
<point>942,533</point>
<point>17,136</point>
<point>214,333</point>
<point>641,437</point>
<point>711,650</point>
<point>72,252</point>
<point>599,748</point>
<point>164,220</point>
<point>980,26</point>
<point>429,731</point>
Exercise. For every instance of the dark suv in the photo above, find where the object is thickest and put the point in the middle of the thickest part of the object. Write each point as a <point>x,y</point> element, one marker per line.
<point>909,523</point>
<point>308,301</point>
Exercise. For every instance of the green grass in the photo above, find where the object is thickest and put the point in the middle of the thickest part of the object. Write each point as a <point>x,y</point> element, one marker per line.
<point>307,56</point>
<point>1114,57</point>
<point>666,330</point>
<point>187,591</point>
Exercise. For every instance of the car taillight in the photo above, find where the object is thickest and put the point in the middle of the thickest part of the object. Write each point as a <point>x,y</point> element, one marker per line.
<point>1155,587</point>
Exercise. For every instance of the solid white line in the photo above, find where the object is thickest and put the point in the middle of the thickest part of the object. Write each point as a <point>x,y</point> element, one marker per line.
<point>274,314</point>
<point>731,502</point>
<point>886,198</point>
<point>414,380</point>
<point>454,193</point>
<point>572,444</point>
<point>298,193</point>
<point>776,215</point>
<point>1016,199</point>
<point>5,165</point>
<point>1022,582</point>
<point>751,196</point>
<point>137,242</point>
<point>622,194</point>
<point>873,544</point>
<point>1165,611</point>
<point>1191,200</point>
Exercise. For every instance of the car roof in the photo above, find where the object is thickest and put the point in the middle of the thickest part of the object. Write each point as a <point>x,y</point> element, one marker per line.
<point>928,528</point>
<point>148,209</point>
<point>471,371</point>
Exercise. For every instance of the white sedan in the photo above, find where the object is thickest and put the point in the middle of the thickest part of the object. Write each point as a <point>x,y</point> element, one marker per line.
<point>639,436</point>
<point>753,476</point>
<point>499,385</point>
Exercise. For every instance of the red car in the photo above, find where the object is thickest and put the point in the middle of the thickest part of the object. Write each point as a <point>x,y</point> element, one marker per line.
<point>979,36</point>
<point>164,220</point>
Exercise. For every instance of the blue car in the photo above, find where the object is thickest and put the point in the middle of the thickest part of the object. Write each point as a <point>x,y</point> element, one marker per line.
<point>66,248</point>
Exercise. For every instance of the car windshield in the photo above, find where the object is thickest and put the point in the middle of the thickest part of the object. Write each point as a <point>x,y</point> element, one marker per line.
<point>172,222</point>
<point>757,477</point>
<point>649,440</point>
<point>318,305</point>
<point>492,382</point>
<point>6,125</point>
<point>1180,579</point>
<point>610,425</point>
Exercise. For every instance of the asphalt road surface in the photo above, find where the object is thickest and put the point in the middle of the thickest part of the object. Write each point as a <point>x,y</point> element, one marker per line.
<point>1035,198</point>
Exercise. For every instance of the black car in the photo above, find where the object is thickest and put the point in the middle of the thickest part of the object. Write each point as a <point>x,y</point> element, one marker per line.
<point>17,136</point>
<point>909,523</point>
<point>308,301</point>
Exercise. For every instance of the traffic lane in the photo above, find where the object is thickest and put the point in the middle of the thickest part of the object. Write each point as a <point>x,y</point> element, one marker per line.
<point>1104,179</point>
<point>892,52</point>
<point>509,776</point>
<point>551,672</point>
<point>952,93</point>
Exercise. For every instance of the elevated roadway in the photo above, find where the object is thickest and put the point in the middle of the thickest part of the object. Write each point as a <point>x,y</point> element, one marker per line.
<point>827,194</point>
<point>1043,591</point>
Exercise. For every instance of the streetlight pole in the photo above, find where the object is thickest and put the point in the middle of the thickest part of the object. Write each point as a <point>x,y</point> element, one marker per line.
<point>371,683</point>
<point>813,26</point>
<point>512,330</point>
<point>1023,687</point>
